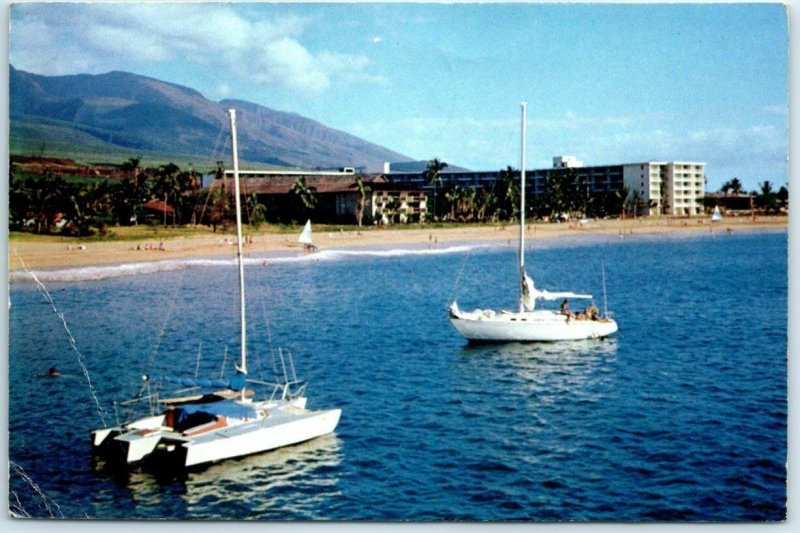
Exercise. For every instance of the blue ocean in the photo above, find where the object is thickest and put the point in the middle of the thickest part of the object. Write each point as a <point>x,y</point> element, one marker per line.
<point>681,416</point>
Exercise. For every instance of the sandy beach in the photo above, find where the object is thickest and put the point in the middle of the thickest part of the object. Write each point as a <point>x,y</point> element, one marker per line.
<point>35,254</point>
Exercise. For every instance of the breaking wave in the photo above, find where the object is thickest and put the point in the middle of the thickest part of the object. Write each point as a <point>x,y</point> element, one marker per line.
<point>100,272</point>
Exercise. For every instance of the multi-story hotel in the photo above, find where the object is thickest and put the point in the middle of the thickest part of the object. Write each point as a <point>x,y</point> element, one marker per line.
<point>669,188</point>
<point>675,188</point>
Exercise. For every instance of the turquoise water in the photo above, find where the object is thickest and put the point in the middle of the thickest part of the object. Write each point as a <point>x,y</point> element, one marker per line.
<point>682,416</point>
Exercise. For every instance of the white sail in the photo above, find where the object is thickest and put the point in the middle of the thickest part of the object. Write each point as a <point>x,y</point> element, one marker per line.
<point>305,236</point>
<point>716,216</point>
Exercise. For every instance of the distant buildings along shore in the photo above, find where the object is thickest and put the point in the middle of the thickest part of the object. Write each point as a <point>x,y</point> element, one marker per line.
<point>670,188</point>
<point>678,187</point>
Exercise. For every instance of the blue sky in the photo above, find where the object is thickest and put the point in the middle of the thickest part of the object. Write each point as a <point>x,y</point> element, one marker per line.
<point>607,83</point>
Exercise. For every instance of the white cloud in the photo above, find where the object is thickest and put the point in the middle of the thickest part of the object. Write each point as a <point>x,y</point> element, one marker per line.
<point>287,61</point>
<point>76,38</point>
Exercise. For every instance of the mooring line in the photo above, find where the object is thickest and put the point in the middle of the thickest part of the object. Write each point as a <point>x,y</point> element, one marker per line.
<point>454,291</point>
<point>46,499</point>
<point>43,290</point>
<point>170,308</point>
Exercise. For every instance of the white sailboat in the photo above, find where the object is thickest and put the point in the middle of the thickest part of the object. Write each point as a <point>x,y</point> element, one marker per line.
<point>305,238</point>
<point>213,420</point>
<point>716,216</point>
<point>529,324</point>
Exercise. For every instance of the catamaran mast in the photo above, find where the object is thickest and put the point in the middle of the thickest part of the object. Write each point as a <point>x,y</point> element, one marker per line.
<point>240,257</point>
<point>524,106</point>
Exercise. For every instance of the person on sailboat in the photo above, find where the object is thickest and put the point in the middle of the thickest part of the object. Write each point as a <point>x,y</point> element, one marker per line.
<point>592,312</point>
<point>565,309</point>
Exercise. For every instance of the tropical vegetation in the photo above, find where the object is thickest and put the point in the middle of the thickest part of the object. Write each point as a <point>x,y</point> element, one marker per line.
<point>166,195</point>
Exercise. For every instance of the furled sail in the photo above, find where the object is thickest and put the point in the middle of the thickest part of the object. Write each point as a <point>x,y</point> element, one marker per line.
<point>305,236</point>
<point>528,292</point>
<point>547,295</point>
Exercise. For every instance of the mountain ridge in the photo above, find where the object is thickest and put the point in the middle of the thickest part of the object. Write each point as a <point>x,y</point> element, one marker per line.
<point>121,111</point>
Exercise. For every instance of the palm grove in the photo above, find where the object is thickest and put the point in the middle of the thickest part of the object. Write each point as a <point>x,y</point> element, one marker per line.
<point>48,203</point>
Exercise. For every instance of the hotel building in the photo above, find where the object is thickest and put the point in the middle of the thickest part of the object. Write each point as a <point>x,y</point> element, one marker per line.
<point>669,188</point>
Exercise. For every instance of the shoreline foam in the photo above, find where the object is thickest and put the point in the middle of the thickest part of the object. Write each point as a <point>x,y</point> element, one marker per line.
<point>119,258</point>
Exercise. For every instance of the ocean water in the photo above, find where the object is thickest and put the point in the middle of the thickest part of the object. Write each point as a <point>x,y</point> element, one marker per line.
<point>682,416</point>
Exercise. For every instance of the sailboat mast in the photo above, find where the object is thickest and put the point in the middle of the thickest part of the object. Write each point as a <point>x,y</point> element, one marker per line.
<point>524,107</point>
<point>239,254</point>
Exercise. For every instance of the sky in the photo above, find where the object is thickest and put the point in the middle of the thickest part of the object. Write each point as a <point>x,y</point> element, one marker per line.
<point>606,83</point>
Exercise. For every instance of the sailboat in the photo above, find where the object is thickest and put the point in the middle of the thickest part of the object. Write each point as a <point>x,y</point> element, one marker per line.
<point>716,216</point>
<point>208,420</point>
<point>305,238</point>
<point>529,324</point>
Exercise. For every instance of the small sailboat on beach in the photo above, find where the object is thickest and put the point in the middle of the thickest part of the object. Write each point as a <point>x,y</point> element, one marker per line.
<point>716,216</point>
<point>529,324</point>
<point>305,238</point>
<point>202,421</point>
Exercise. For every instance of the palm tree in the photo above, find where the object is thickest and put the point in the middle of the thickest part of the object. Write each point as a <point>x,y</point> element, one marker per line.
<point>623,195</point>
<point>767,199</point>
<point>468,202</point>
<point>256,212</point>
<point>168,186</point>
<point>391,209</point>
<point>639,203</point>
<point>133,193</point>
<point>560,193</point>
<point>37,200</point>
<point>433,174</point>
<point>483,201</point>
<point>452,196</point>
<point>504,194</point>
<point>362,197</point>
<point>84,204</point>
<point>783,196</point>
<point>736,186</point>
<point>303,193</point>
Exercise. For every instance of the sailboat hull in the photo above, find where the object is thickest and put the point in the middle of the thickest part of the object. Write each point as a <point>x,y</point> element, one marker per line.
<point>533,326</point>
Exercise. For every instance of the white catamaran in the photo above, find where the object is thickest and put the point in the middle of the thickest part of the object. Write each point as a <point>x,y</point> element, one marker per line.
<point>527,324</point>
<point>213,420</point>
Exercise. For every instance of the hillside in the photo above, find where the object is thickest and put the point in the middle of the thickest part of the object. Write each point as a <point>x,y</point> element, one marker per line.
<point>122,115</point>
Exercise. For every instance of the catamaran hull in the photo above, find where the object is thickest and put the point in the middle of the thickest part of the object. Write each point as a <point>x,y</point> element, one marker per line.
<point>163,446</point>
<point>248,440</point>
<point>528,327</point>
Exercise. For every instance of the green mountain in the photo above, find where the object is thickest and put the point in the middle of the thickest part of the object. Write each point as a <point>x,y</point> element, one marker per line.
<point>119,115</point>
